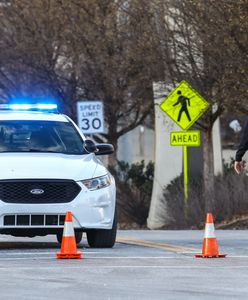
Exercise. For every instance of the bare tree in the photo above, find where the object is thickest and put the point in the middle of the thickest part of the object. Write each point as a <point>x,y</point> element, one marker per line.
<point>34,60</point>
<point>75,49</point>
<point>117,54</point>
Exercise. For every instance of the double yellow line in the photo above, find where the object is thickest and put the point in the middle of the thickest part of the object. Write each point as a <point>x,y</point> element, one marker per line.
<point>157,245</point>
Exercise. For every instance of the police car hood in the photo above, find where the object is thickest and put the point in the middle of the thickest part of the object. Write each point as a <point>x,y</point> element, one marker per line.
<point>50,166</point>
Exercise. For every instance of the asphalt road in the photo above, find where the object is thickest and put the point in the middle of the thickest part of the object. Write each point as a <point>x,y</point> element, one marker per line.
<point>142,265</point>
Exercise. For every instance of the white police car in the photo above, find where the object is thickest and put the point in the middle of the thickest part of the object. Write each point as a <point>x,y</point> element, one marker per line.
<point>47,167</point>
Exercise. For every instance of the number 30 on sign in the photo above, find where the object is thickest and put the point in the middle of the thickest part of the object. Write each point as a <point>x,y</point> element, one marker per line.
<point>90,116</point>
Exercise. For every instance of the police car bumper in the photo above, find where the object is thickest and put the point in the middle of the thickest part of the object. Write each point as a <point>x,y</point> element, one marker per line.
<point>90,210</point>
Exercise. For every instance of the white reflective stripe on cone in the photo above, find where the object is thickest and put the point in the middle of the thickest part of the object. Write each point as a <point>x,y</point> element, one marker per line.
<point>68,229</point>
<point>209,230</point>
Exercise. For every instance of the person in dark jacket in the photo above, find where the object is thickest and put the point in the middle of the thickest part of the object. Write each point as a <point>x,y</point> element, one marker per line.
<point>243,147</point>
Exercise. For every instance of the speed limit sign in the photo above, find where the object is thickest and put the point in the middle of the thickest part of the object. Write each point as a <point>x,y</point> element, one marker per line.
<point>90,116</point>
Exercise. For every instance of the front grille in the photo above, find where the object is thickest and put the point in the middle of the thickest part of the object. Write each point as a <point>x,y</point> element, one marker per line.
<point>34,220</point>
<point>47,191</point>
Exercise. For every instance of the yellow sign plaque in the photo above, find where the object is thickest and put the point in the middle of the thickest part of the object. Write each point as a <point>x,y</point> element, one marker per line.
<point>190,138</point>
<point>184,105</point>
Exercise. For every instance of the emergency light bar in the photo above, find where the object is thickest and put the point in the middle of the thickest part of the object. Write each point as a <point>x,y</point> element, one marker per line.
<point>33,107</point>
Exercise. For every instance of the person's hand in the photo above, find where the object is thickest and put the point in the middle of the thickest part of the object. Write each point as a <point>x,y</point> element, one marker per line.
<point>238,166</point>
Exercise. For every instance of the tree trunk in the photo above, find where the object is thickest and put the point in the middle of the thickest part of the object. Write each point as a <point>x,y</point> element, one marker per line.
<point>112,161</point>
<point>208,172</point>
<point>112,138</point>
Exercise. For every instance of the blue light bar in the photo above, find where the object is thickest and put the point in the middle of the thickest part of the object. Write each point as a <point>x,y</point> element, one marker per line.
<point>47,106</point>
<point>33,107</point>
<point>20,106</point>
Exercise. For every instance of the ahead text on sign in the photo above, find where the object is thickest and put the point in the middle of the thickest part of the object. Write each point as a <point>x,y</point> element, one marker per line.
<point>185,138</point>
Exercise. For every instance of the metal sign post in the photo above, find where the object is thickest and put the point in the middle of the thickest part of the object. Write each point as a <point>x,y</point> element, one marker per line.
<point>185,173</point>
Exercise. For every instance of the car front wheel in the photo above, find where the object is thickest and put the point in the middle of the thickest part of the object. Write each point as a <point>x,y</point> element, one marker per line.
<point>78,236</point>
<point>103,238</point>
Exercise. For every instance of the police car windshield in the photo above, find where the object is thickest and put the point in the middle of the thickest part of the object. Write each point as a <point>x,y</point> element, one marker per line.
<point>40,136</point>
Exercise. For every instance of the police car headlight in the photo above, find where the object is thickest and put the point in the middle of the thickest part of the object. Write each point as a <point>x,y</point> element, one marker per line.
<point>97,182</point>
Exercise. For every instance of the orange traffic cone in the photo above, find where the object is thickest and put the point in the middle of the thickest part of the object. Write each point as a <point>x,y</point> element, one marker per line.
<point>210,246</point>
<point>68,246</point>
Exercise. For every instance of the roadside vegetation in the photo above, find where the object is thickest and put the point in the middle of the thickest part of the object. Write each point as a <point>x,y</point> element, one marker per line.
<point>134,190</point>
<point>230,200</point>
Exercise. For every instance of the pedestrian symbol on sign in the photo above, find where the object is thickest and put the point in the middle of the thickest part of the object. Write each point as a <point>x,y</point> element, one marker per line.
<point>184,105</point>
<point>185,102</point>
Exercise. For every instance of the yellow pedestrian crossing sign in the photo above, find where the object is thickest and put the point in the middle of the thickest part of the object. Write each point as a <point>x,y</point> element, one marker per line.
<point>184,105</point>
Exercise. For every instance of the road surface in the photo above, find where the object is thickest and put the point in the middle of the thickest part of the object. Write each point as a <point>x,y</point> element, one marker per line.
<point>143,264</point>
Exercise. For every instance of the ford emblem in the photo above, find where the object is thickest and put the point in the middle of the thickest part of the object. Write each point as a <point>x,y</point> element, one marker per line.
<point>37,191</point>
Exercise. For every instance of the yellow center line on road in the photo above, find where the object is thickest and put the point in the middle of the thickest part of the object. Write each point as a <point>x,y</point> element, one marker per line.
<point>163,246</point>
<point>150,246</point>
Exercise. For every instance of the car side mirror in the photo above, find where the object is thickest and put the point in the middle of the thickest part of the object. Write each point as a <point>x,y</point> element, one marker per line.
<point>90,146</point>
<point>104,149</point>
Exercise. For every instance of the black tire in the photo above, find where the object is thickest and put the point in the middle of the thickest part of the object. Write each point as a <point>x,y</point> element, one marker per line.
<point>102,238</point>
<point>59,236</point>
<point>78,236</point>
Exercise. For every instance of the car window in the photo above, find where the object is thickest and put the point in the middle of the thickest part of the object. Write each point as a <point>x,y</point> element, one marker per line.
<point>40,136</point>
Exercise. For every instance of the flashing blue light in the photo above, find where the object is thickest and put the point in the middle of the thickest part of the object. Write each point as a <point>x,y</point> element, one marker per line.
<point>47,106</point>
<point>20,106</point>
<point>33,107</point>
